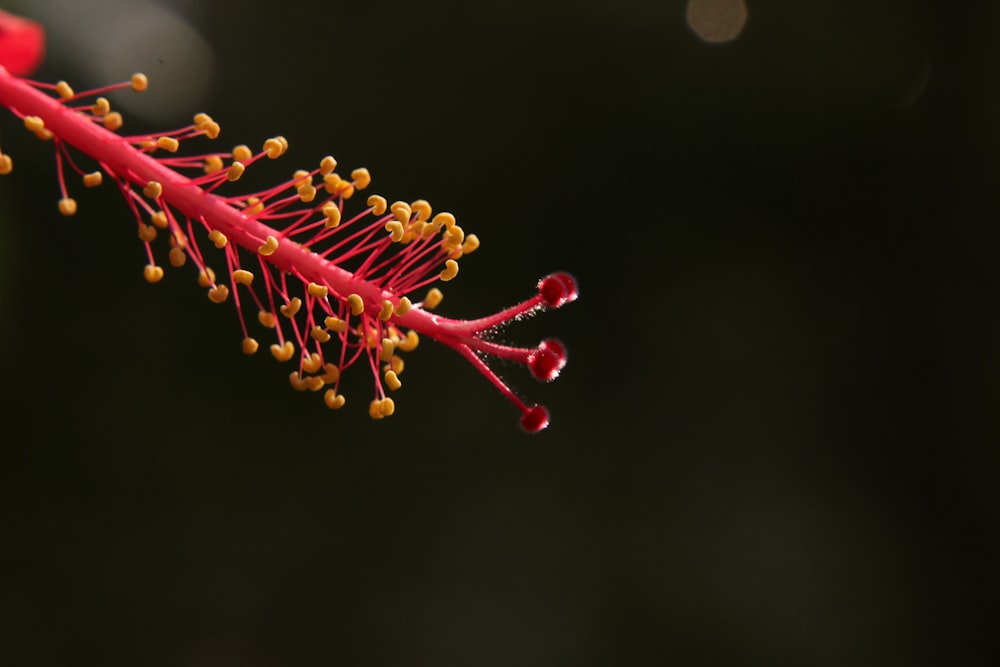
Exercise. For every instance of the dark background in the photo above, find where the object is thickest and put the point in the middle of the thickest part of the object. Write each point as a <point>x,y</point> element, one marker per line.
<point>775,442</point>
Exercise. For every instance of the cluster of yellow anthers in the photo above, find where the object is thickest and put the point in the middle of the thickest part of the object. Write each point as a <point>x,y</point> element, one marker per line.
<point>320,275</point>
<point>101,109</point>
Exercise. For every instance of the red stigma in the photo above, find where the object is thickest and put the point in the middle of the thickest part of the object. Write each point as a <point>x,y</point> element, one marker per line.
<point>535,419</point>
<point>557,289</point>
<point>548,360</point>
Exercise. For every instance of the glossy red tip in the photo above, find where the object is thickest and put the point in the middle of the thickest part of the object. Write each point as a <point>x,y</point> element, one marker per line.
<point>546,362</point>
<point>558,289</point>
<point>22,44</point>
<point>535,419</point>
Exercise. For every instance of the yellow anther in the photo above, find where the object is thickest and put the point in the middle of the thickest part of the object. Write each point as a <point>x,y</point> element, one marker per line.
<point>312,364</point>
<point>332,213</point>
<point>392,381</point>
<point>296,380</point>
<point>218,294</point>
<point>153,273</point>
<point>266,318</point>
<point>318,291</point>
<point>177,239</point>
<point>6,165</point>
<point>333,400</point>
<point>201,120</point>
<point>330,373</point>
<point>386,311</point>
<point>113,120</point>
<point>320,334</point>
<point>159,219</point>
<point>206,277</point>
<point>34,124</point>
<point>327,164</point>
<point>304,383</point>
<point>396,364</point>
<point>153,190</point>
<point>254,205</point>
<point>301,177</point>
<point>395,228</point>
<point>388,406</point>
<point>101,107</point>
<point>250,346</point>
<point>422,208</point>
<point>93,179</point>
<point>403,307</point>
<point>147,232</point>
<point>402,211</point>
<point>306,193</point>
<point>362,179</point>
<point>243,277</point>
<point>370,335</point>
<point>242,153</point>
<point>139,82</point>
<point>212,130</point>
<point>388,349</point>
<point>433,299</point>
<point>454,237</point>
<point>375,409</point>
<point>177,257</point>
<point>414,231</point>
<point>335,324</point>
<point>283,142</point>
<point>332,183</point>
<point>274,148</point>
<point>450,270</point>
<point>218,238</point>
<point>471,243</point>
<point>291,308</point>
<point>378,204</point>
<point>64,90</point>
<point>410,343</point>
<point>283,352</point>
<point>445,219</point>
<point>168,144</point>
<point>270,245</point>
<point>236,170</point>
<point>67,206</point>
<point>213,163</point>
<point>356,303</point>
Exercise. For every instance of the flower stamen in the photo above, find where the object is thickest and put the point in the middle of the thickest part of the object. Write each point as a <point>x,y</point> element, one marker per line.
<point>341,283</point>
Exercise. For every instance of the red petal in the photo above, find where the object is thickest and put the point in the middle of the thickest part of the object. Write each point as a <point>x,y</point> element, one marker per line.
<point>22,44</point>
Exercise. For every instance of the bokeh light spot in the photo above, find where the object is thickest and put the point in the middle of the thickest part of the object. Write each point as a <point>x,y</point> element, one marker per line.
<point>717,21</point>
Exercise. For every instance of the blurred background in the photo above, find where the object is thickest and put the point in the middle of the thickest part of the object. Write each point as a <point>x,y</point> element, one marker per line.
<point>776,440</point>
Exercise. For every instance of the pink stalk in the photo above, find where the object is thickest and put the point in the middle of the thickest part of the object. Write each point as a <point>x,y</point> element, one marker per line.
<point>355,272</point>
